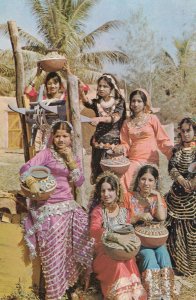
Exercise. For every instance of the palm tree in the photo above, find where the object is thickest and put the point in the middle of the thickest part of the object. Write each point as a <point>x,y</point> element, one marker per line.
<point>7,73</point>
<point>174,80</point>
<point>61,24</point>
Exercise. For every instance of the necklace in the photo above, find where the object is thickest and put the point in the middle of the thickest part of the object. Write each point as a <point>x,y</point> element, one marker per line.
<point>139,122</point>
<point>111,208</point>
<point>58,157</point>
<point>107,104</point>
<point>144,200</point>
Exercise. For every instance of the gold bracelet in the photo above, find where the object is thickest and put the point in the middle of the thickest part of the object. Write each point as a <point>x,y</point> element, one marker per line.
<point>72,165</point>
<point>30,180</point>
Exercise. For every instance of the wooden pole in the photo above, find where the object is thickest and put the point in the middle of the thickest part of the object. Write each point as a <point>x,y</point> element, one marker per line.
<point>19,69</point>
<point>72,82</point>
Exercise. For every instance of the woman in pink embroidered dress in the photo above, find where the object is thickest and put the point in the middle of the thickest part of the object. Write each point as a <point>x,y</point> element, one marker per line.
<point>58,227</point>
<point>142,136</point>
<point>120,280</point>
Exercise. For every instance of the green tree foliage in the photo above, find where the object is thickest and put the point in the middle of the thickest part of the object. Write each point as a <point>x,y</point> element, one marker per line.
<point>7,73</point>
<point>174,85</point>
<point>141,47</point>
<point>171,82</point>
<point>61,25</point>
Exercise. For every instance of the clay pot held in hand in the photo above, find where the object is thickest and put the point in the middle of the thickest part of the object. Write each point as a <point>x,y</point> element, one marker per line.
<point>46,181</point>
<point>152,234</point>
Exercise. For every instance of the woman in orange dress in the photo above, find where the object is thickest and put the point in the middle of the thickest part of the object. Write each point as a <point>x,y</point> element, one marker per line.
<point>145,203</point>
<point>142,135</point>
<point>120,280</point>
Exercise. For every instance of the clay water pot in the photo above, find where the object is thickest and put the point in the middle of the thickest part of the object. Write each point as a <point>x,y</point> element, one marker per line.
<point>116,163</point>
<point>52,62</point>
<point>115,250</point>
<point>46,181</point>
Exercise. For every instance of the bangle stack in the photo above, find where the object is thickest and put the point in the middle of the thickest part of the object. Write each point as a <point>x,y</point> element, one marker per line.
<point>30,180</point>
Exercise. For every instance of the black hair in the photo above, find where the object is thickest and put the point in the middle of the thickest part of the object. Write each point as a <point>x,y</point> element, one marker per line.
<point>61,125</point>
<point>142,95</point>
<point>143,170</point>
<point>188,121</point>
<point>55,76</point>
<point>106,77</point>
<point>96,197</point>
<point>108,179</point>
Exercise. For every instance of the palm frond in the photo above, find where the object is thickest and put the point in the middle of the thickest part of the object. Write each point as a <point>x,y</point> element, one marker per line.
<point>97,58</point>
<point>90,39</point>
<point>30,40</point>
<point>4,29</point>
<point>80,12</point>
<point>6,86</point>
<point>6,70</point>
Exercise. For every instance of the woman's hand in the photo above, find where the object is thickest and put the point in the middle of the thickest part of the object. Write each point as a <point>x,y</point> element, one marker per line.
<point>185,183</point>
<point>118,149</point>
<point>155,193</point>
<point>35,191</point>
<point>95,121</point>
<point>66,68</point>
<point>33,186</point>
<point>39,70</point>
<point>128,246</point>
<point>67,155</point>
<point>146,217</point>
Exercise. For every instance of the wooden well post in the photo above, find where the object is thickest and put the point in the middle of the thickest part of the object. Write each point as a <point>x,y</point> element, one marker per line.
<point>20,82</point>
<point>74,113</point>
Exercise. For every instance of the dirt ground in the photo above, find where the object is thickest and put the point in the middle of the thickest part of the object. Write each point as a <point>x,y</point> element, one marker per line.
<point>11,161</point>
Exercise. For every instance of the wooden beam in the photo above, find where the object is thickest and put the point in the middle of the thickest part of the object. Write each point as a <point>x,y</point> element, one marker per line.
<point>72,82</point>
<point>20,83</point>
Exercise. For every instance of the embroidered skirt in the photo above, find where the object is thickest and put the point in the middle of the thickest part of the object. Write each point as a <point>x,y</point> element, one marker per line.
<point>61,231</point>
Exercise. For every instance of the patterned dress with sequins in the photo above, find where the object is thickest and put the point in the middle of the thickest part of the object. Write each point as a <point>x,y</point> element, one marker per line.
<point>58,227</point>
<point>106,135</point>
<point>182,213</point>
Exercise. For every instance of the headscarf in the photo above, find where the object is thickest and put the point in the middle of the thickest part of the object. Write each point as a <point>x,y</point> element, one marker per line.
<point>149,107</point>
<point>116,88</point>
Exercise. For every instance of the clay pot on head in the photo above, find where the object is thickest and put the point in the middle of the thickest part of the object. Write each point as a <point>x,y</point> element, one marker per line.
<point>52,62</point>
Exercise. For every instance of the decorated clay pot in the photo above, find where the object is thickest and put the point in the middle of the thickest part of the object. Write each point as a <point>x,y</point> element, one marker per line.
<point>46,181</point>
<point>116,163</point>
<point>152,235</point>
<point>52,62</point>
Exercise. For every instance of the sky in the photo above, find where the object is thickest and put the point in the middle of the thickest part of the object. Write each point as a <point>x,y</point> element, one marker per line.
<point>167,18</point>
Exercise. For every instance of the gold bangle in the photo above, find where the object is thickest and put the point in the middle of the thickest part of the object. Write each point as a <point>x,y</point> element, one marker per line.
<point>30,180</point>
<point>72,165</point>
